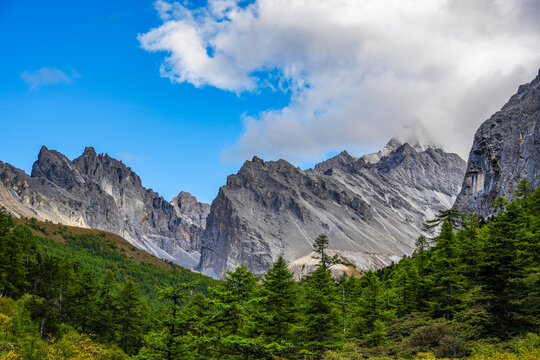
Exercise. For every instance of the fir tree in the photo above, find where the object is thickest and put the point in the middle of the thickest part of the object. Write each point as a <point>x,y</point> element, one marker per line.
<point>130,318</point>
<point>277,308</point>
<point>234,315</point>
<point>319,247</point>
<point>321,324</point>
<point>371,307</point>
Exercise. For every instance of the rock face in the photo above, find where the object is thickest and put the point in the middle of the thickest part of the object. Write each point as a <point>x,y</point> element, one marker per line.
<point>372,208</point>
<point>506,149</point>
<point>100,192</point>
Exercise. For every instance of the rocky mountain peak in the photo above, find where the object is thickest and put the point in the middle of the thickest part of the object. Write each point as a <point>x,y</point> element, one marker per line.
<point>101,192</point>
<point>272,208</point>
<point>416,142</point>
<point>189,209</point>
<point>89,151</point>
<point>506,149</point>
<point>103,167</point>
<point>343,161</point>
<point>57,168</point>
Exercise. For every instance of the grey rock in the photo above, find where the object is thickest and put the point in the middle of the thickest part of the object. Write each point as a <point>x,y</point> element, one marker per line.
<point>506,149</point>
<point>372,212</point>
<point>100,192</point>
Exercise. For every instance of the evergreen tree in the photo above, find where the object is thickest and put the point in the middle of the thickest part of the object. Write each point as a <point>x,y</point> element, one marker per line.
<point>421,263</point>
<point>17,251</point>
<point>446,278</point>
<point>319,247</point>
<point>195,321</point>
<point>321,328</point>
<point>106,307</point>
<point>130,318</point>
<point>80,305</point>
<point>510,251</point>
<point>277,308</point>
<point>234,299</point>
<point>371,307</point>
<point>406,284</point>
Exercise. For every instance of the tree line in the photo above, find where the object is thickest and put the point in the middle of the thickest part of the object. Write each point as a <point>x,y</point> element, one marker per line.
<point>471,288</point>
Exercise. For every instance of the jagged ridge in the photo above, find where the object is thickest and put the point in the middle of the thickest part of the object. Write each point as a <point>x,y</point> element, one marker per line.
<point>273,208</point>
<point>100,192</point>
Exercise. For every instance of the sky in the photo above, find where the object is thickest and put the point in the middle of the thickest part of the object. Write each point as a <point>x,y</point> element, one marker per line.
<point>185,92</point>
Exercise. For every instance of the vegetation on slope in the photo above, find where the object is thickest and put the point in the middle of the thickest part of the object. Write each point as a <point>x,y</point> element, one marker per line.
<point>470,291</point>
<point>59,282</point>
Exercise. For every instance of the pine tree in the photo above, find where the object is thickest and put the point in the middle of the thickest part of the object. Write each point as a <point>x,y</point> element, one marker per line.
<point>319,247</point>
<point>277,311</point>
<point>130,318</point>
<point>321,328</point>
<point>234,299</point>
<point>406,283</point>
<point>421,263</point>
<point>371,307</point>
<point>447,278</point>
<point>173,339</point>
<point>106,307</point>
<point>510,253</point>
<point>17,252</point>
<point>195,321</point>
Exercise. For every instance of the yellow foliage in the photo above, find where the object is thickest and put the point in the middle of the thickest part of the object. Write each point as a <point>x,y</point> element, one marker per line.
<point>523,354</point>
<point>80,349</point>
<point>10,356</point>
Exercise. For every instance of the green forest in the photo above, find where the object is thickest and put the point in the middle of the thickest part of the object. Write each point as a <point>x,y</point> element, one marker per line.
<point>470,290</point>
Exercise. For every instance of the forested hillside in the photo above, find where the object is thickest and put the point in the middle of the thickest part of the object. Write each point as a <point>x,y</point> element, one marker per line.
<point>58,282</point>
<point>469,291</point>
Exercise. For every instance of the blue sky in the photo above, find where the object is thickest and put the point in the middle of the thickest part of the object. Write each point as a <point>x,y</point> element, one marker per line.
<point>172,135</point>
<point>185,92</point>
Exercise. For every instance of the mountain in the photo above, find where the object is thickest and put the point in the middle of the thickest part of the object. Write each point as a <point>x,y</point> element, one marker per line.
<point>97,191</point>
<point>372,209</point>
<point>506,148</point>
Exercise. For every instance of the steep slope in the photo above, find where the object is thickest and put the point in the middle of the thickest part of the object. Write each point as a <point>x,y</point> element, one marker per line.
<point>372,212</point>
<point>506,148</point>
<point>100,192</point>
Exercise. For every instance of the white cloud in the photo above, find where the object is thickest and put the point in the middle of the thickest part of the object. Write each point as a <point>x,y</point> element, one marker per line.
<point>358,70</point>
<point>47,76</point>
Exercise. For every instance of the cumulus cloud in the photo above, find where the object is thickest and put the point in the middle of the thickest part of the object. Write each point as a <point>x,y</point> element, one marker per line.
<point>357,71</point>
<point>47,76</point>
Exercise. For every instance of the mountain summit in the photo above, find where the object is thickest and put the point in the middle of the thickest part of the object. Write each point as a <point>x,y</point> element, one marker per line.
<point>372,211</point>
<point>98,191</point>
<point>505,150</point>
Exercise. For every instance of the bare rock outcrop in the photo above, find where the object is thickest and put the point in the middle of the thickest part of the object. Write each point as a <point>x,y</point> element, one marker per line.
<point>372,212</point>
<point>506,149</point>
<point>100,192</point>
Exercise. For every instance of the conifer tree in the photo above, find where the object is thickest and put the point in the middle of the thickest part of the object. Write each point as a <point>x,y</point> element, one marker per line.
<point>319,247</point>
<point>405,284</point>
<point>234,315</point>
<point>321,324</point>
<point>130,318</point>
<point>371,307</point>
<point>510,251</point>
<point>421,262</point>
<point>17,251</point>
<point>277,311</point>
<point>106,307</point>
